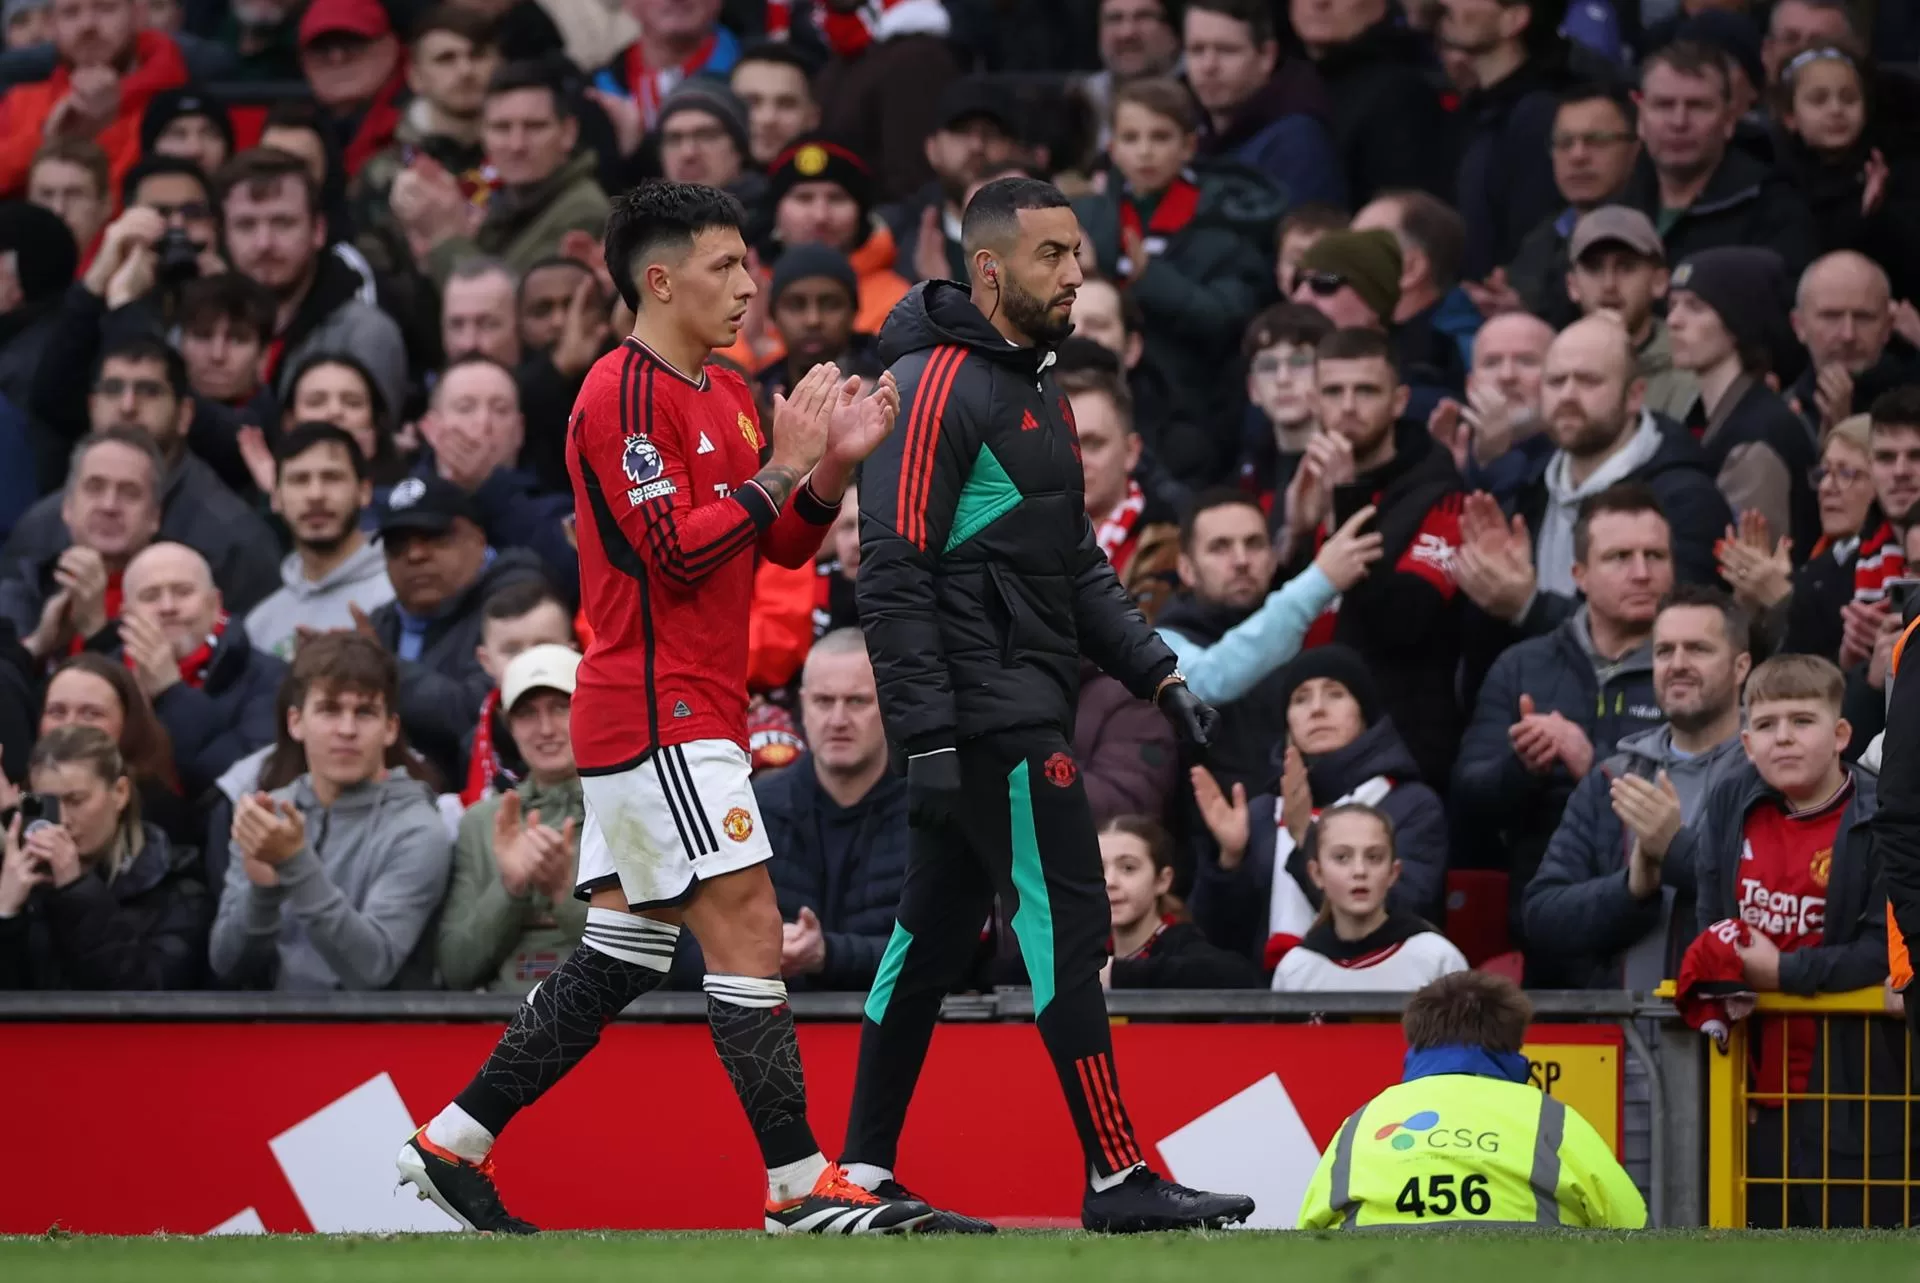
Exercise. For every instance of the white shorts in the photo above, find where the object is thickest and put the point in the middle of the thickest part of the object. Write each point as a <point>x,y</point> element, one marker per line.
<point>686,812</point>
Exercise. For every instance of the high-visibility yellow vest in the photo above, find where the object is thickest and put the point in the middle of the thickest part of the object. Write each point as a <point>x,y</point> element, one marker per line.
<point>1457,1149</point>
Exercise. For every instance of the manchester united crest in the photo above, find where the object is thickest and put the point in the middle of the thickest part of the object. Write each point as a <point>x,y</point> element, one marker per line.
<point>751,433</point>
<point>1820,867</point>
<point>1060,771</point>
<point>738,824</point>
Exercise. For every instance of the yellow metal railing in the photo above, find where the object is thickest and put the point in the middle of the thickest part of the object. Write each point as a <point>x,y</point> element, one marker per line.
<point>1808,1173</point>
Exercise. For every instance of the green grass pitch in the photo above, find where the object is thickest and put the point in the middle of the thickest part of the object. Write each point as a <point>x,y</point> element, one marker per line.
<point>1698,1256</point>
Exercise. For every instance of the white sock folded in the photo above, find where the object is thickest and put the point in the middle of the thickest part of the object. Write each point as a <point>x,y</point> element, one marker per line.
<point>792,1181</point>
<point>454,1130</point>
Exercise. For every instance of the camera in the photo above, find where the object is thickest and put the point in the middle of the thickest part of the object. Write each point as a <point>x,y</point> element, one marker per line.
<point>178,257</point>
<point>38,810</point>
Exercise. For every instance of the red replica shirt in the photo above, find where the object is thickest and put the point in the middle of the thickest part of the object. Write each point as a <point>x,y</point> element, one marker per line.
<point>668,519</point>
<point>1781,890</point>
<point>1429,556</point>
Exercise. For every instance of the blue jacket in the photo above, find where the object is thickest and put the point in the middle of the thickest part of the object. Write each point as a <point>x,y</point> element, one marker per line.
<point>853,890</point>
<point>1495,797</point>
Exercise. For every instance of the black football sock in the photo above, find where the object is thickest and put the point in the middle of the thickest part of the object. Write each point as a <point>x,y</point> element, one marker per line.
<point>752,1029</point>
<point>620,957</point>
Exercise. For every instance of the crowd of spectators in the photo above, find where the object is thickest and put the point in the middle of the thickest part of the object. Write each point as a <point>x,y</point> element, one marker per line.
<point>1509,412</point>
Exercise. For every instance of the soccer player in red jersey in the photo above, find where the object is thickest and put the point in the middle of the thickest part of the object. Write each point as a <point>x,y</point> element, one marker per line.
<point>676,491</point>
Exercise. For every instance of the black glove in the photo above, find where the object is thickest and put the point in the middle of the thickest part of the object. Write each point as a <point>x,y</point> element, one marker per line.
<point>933,788</point>
<point>1193,718</point>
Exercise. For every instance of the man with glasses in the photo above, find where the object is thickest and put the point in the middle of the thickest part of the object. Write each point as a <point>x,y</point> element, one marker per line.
<point>140,386</point>
<point>1699,192</point>
<point>1279,350</point>
<point>1594,147</point>
<point>1352,278</point>
<point>704,136</point>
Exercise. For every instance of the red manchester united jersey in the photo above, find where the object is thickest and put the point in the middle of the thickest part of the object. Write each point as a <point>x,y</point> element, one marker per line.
<point>669,518</point>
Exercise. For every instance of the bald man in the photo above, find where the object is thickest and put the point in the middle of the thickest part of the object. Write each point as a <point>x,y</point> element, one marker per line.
<point>212,690</point>
<point>1592,402</point>
<point>1495,436</point>
<point>1843,314</point>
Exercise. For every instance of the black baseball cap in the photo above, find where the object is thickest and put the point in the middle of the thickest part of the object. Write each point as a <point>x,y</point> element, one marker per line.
<point>425,505</point>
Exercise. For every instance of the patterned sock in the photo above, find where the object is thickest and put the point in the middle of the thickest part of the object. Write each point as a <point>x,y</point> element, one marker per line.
<point>753,1032</point>
<point>620,957</point>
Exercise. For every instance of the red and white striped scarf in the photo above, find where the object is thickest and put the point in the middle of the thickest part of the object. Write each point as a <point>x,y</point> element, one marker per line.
<point>1881,558</point>
<point>1119,532</point>
<point>651,85</point>
<point>849,34</point>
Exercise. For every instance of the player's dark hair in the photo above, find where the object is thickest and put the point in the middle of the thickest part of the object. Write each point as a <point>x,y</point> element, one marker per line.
<point>1468,1008</point>
<point>147,348</point>
<point>307,436</point>
<point>1628,498</point>
<point>662,217</point>
<point>1206,501</point>
<point>992,217</point>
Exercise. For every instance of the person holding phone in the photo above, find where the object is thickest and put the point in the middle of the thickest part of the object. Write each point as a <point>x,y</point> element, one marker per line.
<point>90,896</point>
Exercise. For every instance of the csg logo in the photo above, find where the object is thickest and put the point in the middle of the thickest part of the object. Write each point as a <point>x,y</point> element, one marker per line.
<point>1405,1135</point>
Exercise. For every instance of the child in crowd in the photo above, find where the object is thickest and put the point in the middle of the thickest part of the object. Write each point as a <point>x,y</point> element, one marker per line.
<point>1189,244</point>
<point>1857,173</point>
<point>1282,410</point>
<point>1783,846</point>
<point>1155,947</point>
<point>1357,942</point>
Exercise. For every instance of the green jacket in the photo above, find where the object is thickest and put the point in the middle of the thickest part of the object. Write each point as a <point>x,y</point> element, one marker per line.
<point>1458,1149</point>
<point>524,225</point>
<point>494,941</point>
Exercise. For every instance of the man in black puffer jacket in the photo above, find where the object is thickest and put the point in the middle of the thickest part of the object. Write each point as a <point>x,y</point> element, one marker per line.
<point>981,586</point>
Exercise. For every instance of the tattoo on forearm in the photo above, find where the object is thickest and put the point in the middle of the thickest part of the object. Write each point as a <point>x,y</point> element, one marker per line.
<point>779,481</point>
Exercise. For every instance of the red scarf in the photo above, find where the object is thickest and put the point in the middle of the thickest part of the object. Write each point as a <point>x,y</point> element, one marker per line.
<point>650,88</point>
<point>378,125</point>
<point>112,599</point>
<point>483,765</point>
<point>1174,212</point>
<point>1119,532</point>
<point>1881,558</point>
<point>193,669</point>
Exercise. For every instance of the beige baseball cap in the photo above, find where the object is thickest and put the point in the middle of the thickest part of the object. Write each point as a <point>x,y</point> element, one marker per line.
<point>544,667</point>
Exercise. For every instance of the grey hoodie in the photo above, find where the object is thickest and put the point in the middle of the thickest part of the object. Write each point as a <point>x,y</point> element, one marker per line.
<point>360,580</point>
<point>1553,551</point>
<point>351,905</point>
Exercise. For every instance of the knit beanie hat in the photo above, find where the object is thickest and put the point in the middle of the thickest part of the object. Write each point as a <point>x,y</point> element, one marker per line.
<point>702,93</point>
<point>45,257</point>
<point>1369,261</point>
<point>1340,663</point>
<point>169,105</point>
<point>805,262</point>
<point>1747,286</point>
<point>815,158</point>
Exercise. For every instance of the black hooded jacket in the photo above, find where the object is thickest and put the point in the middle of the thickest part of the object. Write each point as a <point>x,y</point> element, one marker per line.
<point>1403,616</point>
<point>1386,116</point>
<point>1744,203</point>
<point>981,585</point>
